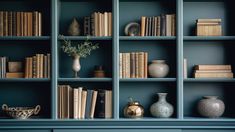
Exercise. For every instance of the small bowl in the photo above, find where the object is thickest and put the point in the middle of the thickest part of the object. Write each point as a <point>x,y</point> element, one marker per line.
<point>132,29</point>
<point>20,112</point>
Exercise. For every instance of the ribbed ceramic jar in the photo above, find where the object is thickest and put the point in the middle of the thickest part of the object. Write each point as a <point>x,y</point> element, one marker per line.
<point>158,69</point>
<point>211,106</point>
<point>161,109</point>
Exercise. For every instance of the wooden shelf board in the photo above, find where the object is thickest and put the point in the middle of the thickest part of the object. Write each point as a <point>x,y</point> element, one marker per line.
<point>147,79</point>
<point>209,80</point>
<point>208,38</point>
<point>208,119</point>
<point>24,37</point>
<point>85,79</point>
<point>147,38</point>
<point>24,79</point>
<point>85,37</point>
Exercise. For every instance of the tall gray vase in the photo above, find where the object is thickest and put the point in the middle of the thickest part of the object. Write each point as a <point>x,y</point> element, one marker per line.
<point>161,109</point>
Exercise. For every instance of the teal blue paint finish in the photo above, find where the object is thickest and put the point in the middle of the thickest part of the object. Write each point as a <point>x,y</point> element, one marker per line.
<point>146,94</point>
<point>37,5</point>
<point>147,38</point>
<point>147,79</point>
<point>180,54</point>
<point>118,130</point>
<point>157,50</point>
<point>28,80</point>
<point>101,56</point>
<point>25,130</point>
<point>209,80</point>
<point>27,95</point>
<point>207,130</point>
<point>131,11</point>
<point>33,38</point>
<point>84,79</point>
<point>209,38</point>
<point>193,93</point>
<point>86,37</point>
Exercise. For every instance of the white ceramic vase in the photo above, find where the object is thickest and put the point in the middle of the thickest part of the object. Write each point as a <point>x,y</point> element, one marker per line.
<point>76,65</point>
<point>158,69</point>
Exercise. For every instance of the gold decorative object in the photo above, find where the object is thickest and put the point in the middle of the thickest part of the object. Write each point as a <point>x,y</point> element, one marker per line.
<point>133,110</point>
<point>21,112</point>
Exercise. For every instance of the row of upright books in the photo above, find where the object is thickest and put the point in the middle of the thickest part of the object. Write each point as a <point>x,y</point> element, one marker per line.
<point>3,66</point>
<point>20,23</point>
<point>80,103</point>
<point>38,66</point>
<point>213,71</point>
<point>98,24</point>
<point>133,65</point>
<point>209,27</point>
<point>164,25</point>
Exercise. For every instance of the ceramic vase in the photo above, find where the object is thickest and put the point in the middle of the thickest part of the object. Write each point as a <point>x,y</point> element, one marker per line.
<point>211,106</point>
<point>161,109</point>
<point>158,69</point>
<point>76,65</point>
<point>74,28</point>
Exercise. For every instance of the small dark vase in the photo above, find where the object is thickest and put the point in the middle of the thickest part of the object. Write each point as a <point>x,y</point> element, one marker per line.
<point>99,72</point>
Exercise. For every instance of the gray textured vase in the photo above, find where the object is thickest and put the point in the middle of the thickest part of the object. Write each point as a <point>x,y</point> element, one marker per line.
<point>211,107</point>
<point>158,69</point>
<point>74,28</point>
<point>162,108</point>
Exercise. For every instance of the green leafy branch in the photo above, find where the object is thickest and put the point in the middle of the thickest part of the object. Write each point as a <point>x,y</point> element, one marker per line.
<point>81,49</point>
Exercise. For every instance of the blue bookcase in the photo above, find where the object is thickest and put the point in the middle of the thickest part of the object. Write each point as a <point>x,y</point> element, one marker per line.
<point>183,93</point>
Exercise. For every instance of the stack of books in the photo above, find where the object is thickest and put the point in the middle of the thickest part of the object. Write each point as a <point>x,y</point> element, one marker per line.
<point>98,24</point>
<point>20,23</point>
<point>80,103</point>
<point>133,65</point>
<point>209,27</point>
<point>213,71</point>
<point>164,25</point>
<point>38,66</point>
<point>3,65</point>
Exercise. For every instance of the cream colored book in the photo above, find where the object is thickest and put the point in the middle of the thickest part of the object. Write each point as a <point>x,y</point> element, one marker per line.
<point>145,65</point>
<point>108,104</point>
<point>120,65</point>
<point>105,26</point>
<point>110,24</point>
<point>213,67</point>
<point>83,105</point>
<point>213,75</point>
<point>141,64</point>
<point>185,68</point>
<point>128,64</point>
<point>75,103</point>
<point>168,25</point>
<point>143,22</point>
<point>93,105</point>
<point>80,102</point>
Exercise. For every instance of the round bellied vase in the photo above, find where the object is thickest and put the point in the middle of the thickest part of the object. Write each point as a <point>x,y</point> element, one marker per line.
<point>162,109</point>
<point>133,110</point>
<point>211,107</point>
<point>158,69</point>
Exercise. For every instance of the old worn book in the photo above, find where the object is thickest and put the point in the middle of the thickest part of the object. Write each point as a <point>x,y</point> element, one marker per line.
<point>93,104</point>
<point>213,71</point>
<point>80,102</point>
<point>96,23</point>
<point>155,26</point>
<point>124,65</point>
<point>209,20</point>
<point>150,27</point>
<point>30,74</point>
<point>158,26</point>
<point>93,24</point>
<point>5,23</point>
<point>25,24</point>
<point>173,25</point>
<point>39,24</point>
<point>108,104</point>
<point>18,24</point>
<point>30,24</point>
<point>1,23</point>
<point>21,23</point>
<point>34,66</point>
<point>147,27</point>
<point>45,68</point>
<point>10,16</point>
<point>127,66</point>
<point>168,24</point>
<point>141,64</point>
<point>83,105</point>
<point>213,67</point>
<point>100,24</point>
<point>88,103</point>
<point>41,65</point>
<point>35,23</point>
<point>37,65</point>
<point>75,103</point>
<point>100,104</point>
<point>132,65</point>
<point>14,75</point>
<point>143,24</point>
<point>120,65</point>
<point>145,65</point>
<point>163,25</point>
<point>105,28</point>
<point>214,75</point>
<point>14,24</point>
<point>48,65</point>
<point>86,26</point>
<point>137,65</point>
<point>110,23</point>
<point>15,66</point>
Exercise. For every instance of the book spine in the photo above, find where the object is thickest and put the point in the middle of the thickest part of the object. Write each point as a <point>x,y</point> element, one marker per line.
<point>110,23</point>
<point>93,24</point>
<point>150,27</point>
<point>45,66</point>
<point>93,104</point>
<point>105,24</point>
<point>1,23</point>
<point>5,23</point>
<point>141,65</point>
<point>163,25</point>
<point>14,24</point>
<point>136,65</point>
<point>88,103</point>
<point>22,23</point>
<point>39,24</point>
<point>168,25</point>
<point>34,67</point>
<point>173,25</point>
<point>147,26</point>
<point>26,67</point>
<point>145,65</point>
<point>143,24</point>
<point>120,65</point>
<point>100,104</point>
<point>10,23</point>
<point>213,67</point>
<point>75,103</point>
<point>159,26</point>
<point>185,68</point>
<point>213,75</point>
<point>124,65</point>
<point>132,65</point>
<point>127,65</point>
<point>48,65</point>
<point>108,104</point>
<point>213,71</point>
<point>80,102</point>
<point>83,105</point>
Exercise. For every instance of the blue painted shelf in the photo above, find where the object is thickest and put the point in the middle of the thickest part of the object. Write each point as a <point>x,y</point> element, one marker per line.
<point>25,38</point>
<point>147,79</point>
<point>84,79</point>
<point>25,80</point>
<point>209,80</point>
<point>209,38</point>
<point>85,37</point>
<point>137,38</point>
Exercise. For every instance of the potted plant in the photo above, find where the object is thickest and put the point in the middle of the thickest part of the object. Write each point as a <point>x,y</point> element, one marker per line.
<point>77,51</point>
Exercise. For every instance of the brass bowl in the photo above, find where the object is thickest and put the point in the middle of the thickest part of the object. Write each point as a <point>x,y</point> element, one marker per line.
<point>20,112</point>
